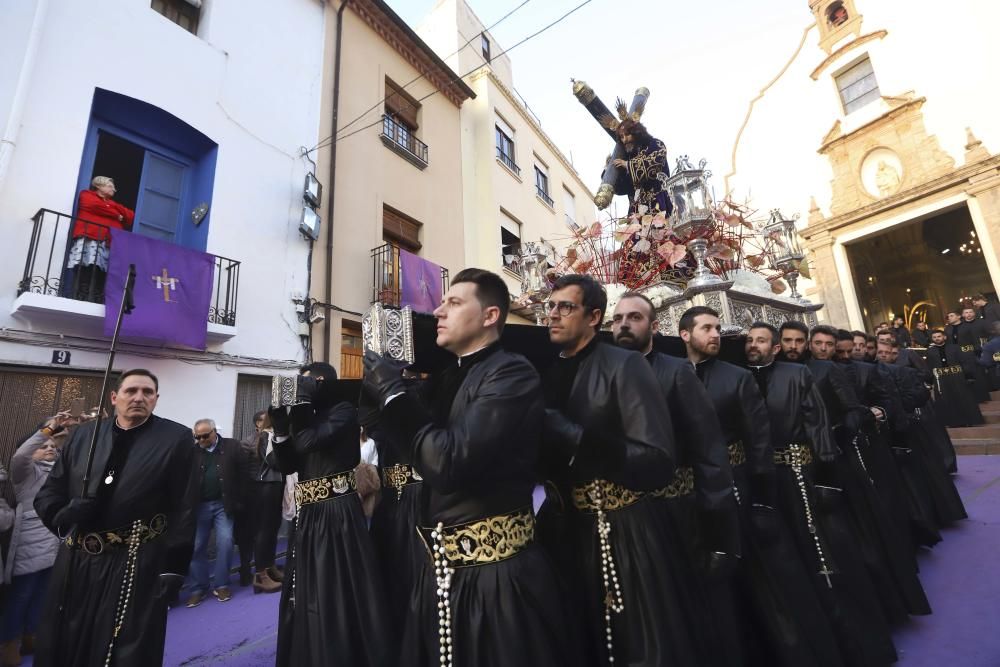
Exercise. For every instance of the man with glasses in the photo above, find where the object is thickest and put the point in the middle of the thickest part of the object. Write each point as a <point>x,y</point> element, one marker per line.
<point>608,445</point>
<point>220,465</point>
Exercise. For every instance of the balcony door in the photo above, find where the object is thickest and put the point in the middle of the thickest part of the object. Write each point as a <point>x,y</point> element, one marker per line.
<point>159,208</point>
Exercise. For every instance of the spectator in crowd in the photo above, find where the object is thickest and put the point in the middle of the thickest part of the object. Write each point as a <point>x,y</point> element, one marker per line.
<point>33,547</point>
<point>986,310</point>
<point>902,333</point>
<point>97,214</point>
<point>921,335</point>
<point>882,326</point>
<point>221,468</point>
<point>260,519</point>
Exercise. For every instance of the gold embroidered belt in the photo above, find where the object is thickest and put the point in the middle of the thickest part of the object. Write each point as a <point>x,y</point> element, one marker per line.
<point>324,488</point>
<point>996,356</point>
<point>399,475</point>
<point>682,485</point>
<point>967,348</point>
<point>947,370</point>
<point>737,455</point>
<point>795,455</point>
<point>601,494</point>
<point>97,542</point>
<point>485,541</point>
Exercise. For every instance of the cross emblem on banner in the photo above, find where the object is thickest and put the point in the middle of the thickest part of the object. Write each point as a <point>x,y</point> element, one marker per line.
<point>166,283</point>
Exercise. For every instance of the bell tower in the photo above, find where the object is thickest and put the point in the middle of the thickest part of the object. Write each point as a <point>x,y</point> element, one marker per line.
<point>837,20</point>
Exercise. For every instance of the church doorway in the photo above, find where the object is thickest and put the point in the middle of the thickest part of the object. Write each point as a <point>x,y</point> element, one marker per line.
<point>919,269</point>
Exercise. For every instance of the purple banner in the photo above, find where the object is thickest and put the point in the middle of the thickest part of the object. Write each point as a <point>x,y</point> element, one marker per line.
<point>173,290</point>
<point>420,282</point>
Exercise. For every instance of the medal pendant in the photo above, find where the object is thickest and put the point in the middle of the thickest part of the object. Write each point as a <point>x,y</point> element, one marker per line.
<point>109,479</point>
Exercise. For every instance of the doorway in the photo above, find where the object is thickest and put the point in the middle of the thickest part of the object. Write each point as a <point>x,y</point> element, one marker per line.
<point>928,265</point>
<point>121,160</point>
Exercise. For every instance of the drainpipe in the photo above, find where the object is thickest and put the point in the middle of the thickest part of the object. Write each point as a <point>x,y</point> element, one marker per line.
<point>8,141</point>
<point>331,191</point>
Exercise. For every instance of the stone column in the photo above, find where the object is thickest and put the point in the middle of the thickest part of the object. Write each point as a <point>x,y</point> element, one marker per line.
<point>825,274</point>
<point>984,207</point>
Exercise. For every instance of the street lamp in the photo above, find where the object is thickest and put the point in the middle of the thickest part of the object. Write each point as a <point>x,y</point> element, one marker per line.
<point>786,254</point>
<point>693,217</point>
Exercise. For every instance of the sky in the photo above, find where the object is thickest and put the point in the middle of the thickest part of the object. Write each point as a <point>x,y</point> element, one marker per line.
<point>703,63</point>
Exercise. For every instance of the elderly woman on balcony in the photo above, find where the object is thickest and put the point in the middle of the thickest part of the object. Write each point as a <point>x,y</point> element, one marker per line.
<point>97,215</point>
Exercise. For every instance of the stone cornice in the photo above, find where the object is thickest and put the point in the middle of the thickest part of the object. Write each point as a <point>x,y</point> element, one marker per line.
<point>394,31</point>
<point>956,177</point>
<point>534,125</point>
<point>853,44</point>
<point>886,118</point>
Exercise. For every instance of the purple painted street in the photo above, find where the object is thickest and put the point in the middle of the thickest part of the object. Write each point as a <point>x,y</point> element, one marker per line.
<point>960,576</point>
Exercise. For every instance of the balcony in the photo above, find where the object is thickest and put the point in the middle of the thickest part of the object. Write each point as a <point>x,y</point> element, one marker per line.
<point>399,138</point>
<point>544,196</point>
<point>508,161</point>
<point>386,278</point>
<point>44,294</point>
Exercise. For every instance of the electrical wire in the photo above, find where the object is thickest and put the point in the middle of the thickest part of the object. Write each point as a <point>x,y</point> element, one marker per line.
<point>421,76</point>
<point>327,141</point>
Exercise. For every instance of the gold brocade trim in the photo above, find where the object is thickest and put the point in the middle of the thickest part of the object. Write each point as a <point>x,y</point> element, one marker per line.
<point>737,455</point>
<point>947,370</point>
<point>97,542</point>
<point>967,348</point>
<point>324,488</point>
<point>488,540</point>
<point>996,356</point>
<point>682,485</point>
<point>795,455</point>
<point>398,476</point>
<point>588,497</point>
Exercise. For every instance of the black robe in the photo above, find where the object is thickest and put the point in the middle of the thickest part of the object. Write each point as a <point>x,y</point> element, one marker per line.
<point>707,520</point>
<point>970,338</point>
<point>828,544</point>
<point>332,605</point>
<point>474,440</point>
<point>614,395</point>
<point>955,404</point>
<point>787,624</point>
<point>152,476</point>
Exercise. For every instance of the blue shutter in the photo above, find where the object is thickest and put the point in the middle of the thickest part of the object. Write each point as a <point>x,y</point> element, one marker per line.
<point>158,211</point>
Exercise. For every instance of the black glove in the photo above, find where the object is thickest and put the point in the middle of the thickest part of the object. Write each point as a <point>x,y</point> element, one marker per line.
<point>383,378</point>
<point>279,420</point>
<point>368,410</point>
<point>561,434</point>
<point>170,585</point>
<point>78,511</point>
<point>306,387</point>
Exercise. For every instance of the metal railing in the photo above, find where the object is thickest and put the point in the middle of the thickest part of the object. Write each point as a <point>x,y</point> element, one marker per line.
<point>402,137</point>
<point>508,161</point>
<point>46,272</point>
<point>543,195</point>
<point>386,280</point>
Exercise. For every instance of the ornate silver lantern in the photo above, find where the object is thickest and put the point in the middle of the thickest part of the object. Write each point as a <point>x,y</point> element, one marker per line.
<point>534,261</point>
<point>786,253</point>
<point>693,217</point>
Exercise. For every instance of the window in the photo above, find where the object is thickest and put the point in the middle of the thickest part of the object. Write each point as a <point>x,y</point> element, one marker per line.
<point>184,13</point>
<point>569,203</point>
<point>505,146</point>
<point>836,14</point>
<point>857,86</point>
<point>351,350</point>
<point>399,124</point>
<point>400,229</point>
<point>253,393</point>
<point>485,47</point>
<point>510,243</point>
<point>542,185</point>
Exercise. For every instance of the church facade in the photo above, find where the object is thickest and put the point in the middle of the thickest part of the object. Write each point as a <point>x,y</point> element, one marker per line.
<point>882,132</point>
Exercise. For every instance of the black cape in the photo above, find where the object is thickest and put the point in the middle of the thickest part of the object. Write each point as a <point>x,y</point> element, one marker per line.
<point>332,605</point>
<point>955,404</point>
<point>154,479</point>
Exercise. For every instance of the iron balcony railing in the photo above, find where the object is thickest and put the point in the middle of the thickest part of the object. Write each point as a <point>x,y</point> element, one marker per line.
<point>45,270</point>
<point>401,137</point>
<point>386,278</point>
<point>508,161</point>
<point>544,196</point>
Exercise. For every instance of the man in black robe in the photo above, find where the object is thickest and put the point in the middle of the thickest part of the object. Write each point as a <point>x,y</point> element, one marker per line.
<point>970,338</point>
<point>953,322</point>
<point>921,334</point>
<point>905,356</point>
<point>989,358</point>
<point>487,595</point>
<point>986,310</point>
<point>788,624</point>
<point>955,404</point>
<point>700,502</point>
<point>609,445</point>
<point>805,452</point>
<point>901,332</point>
<point>128,536</point>
<point>332,603</point>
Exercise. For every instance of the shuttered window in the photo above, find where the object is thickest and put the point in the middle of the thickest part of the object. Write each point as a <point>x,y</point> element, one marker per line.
<point>401,105</point>
<point>401,229</point>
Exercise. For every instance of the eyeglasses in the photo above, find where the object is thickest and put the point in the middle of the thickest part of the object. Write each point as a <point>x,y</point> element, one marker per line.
<point>565,308</point>
<point>203,436</point>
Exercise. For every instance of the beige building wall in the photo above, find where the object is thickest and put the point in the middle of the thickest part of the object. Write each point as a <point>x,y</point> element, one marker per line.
<point>935,125</point>
<point>495,194</point>
<point>371,175</point>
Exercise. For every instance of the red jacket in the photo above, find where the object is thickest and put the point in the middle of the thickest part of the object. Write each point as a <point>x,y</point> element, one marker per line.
<point>92,208</point>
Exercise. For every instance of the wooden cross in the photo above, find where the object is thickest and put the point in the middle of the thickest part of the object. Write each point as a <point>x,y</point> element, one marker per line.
<point>166,283</point>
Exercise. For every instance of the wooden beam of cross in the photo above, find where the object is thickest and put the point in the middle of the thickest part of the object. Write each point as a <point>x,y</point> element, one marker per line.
<point>166,283</point>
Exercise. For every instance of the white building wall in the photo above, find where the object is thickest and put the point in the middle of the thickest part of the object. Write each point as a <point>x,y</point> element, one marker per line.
<point>250,81</point>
